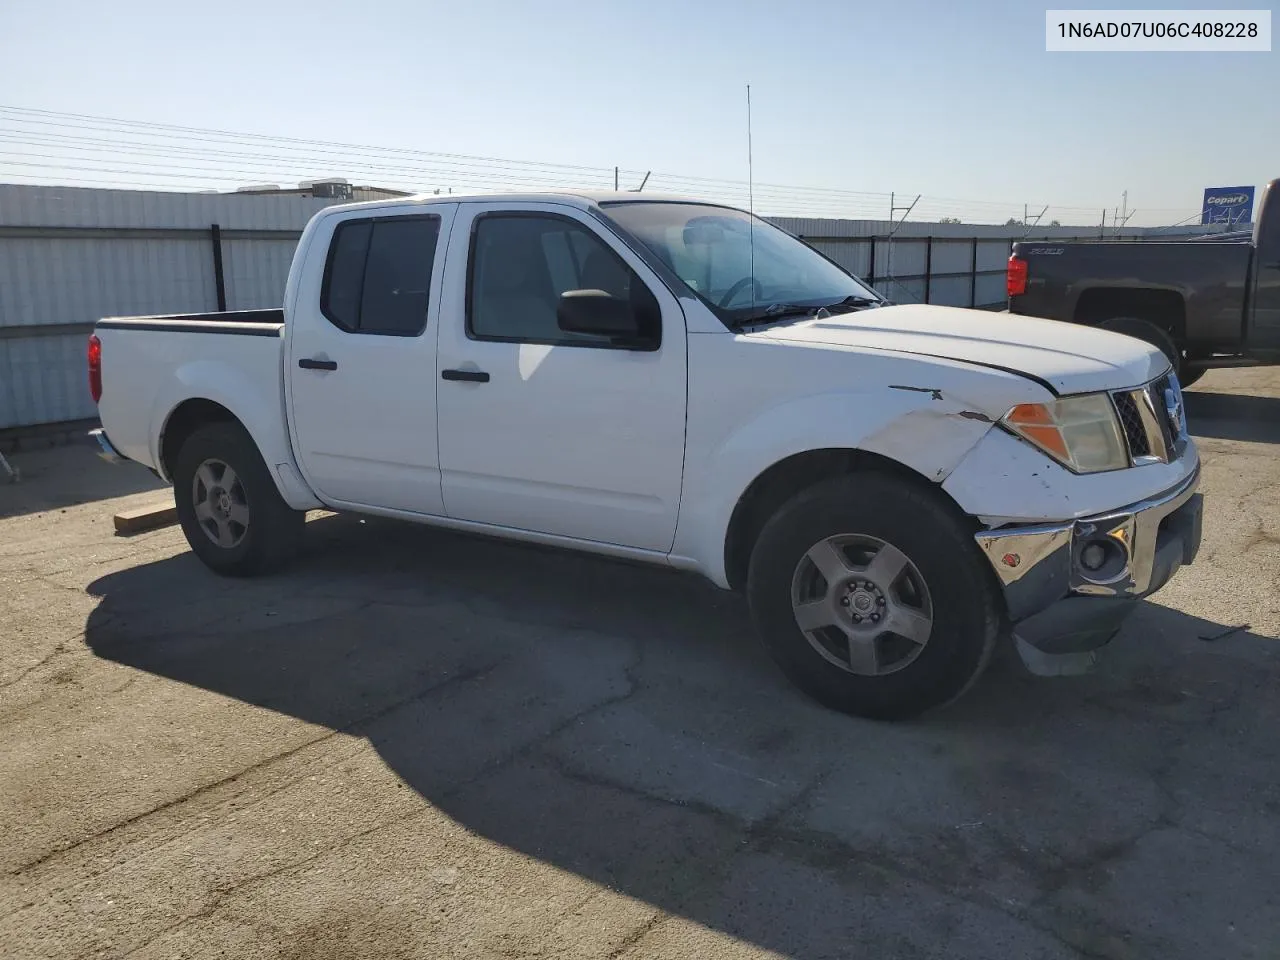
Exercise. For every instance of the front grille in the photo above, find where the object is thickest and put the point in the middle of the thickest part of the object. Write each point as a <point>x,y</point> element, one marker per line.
<point>1170,413</point>
<point>1156,390</point>
<point>1151,418</point>
<point>1135,433</point>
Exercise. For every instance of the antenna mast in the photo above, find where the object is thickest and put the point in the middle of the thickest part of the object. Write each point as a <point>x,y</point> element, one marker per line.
<point>751,201</point>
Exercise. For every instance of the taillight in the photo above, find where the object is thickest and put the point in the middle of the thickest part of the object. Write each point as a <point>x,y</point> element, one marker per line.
<point>95,368</point>
<point>1016,279</point>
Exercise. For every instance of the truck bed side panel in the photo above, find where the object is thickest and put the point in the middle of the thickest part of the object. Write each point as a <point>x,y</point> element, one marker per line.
<point>152,365</point>
<point>1210,277</point>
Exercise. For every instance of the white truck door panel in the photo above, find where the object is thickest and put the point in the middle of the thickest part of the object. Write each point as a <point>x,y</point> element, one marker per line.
<point>542,430</point>
<point>361,365</point>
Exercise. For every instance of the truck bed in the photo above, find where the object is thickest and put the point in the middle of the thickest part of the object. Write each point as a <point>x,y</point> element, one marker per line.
<point>1067,280</point>
<point>235,356</point>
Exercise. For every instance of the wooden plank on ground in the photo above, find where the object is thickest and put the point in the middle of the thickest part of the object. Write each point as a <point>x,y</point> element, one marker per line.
<point>151,517</point>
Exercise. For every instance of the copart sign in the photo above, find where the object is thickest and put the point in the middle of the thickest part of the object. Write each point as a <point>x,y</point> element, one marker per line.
<point>1227,205</point>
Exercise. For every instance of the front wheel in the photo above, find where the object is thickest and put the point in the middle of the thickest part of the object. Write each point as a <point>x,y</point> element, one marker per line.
<point>230,509</point>
<point>871,596</point>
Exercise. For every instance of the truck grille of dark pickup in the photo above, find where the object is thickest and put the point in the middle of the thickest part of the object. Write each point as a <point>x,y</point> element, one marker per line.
<point>1153,431</point>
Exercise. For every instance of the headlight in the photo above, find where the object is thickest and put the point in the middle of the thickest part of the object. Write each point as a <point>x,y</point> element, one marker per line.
<point>1082,433</point>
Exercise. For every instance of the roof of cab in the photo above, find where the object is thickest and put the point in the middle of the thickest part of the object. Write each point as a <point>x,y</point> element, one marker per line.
<point>582,199</point>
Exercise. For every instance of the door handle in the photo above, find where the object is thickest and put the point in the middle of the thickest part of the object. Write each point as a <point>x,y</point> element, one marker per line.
<point>468,376</point>
<point>306,363</point>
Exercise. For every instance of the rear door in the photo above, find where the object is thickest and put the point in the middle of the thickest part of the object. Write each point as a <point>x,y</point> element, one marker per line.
<point>551,432</point>
<point>362,359</point>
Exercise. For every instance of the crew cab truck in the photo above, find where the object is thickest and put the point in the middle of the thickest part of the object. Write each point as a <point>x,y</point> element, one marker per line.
<point>1204,303</point>
<point>892,487</point>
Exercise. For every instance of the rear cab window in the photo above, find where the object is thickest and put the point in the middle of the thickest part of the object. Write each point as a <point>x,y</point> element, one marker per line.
<point>377,277</point>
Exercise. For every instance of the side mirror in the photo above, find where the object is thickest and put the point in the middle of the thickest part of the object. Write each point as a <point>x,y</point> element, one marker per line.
<point>596,312</point>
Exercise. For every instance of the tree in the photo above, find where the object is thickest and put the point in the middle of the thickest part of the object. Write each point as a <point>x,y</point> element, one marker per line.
<point>949,220</point>
<point>1014,222</point>
<point>1054,223</point>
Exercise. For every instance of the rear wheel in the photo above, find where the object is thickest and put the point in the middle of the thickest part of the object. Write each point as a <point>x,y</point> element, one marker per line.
<point>1189,375</point>
<point>1158,338</point>
<point>872,597</point>
<point>230,509</point>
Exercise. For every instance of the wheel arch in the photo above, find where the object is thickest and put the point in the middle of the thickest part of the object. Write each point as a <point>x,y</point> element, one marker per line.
<point>780,481</point>
<point>194,411</point>
<point>183,420</point>
<point>1163,309</point>
<point>246,391</point>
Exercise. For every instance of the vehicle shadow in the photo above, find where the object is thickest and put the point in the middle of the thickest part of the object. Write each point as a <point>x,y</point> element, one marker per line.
<point>619,722</point>
<point>1233,416</point>
<point>68,475</point>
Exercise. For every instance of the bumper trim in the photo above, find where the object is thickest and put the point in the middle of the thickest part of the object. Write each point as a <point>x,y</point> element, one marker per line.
<point>1037,565</point>
<point>1137,528</point>
<point>105,448</point>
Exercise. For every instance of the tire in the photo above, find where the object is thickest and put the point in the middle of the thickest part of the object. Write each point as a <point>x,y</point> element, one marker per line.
<point>1145,330</point>
<point>1188,376</point>
<point>236,521</point>
<point>944,577</point>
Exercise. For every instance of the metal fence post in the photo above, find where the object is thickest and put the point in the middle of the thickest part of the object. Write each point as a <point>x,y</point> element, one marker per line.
<point>219,280</point>
<point>973,274</point>
<point>928,266</point>
<point>871,270</point>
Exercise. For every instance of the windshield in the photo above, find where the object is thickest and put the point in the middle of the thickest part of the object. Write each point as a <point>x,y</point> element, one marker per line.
<point>713,253</point>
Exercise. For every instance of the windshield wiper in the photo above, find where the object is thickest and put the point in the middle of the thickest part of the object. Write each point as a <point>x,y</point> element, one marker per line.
<point>783,311</point>
<point>777,311</point>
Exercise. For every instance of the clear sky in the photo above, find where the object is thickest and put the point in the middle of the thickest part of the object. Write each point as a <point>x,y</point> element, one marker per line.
<point>951,100</point>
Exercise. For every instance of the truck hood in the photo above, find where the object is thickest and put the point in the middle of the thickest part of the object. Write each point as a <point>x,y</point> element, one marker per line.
<point>1065,356</point>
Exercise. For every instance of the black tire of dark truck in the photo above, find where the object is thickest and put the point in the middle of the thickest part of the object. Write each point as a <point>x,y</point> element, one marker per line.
<point>1188,375</point>
<point>1159,338</point>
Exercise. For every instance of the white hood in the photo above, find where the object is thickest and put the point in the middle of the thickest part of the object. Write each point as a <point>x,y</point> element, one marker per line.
<point>1070,357</point>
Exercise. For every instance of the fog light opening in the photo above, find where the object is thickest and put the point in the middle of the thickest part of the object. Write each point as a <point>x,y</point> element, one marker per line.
<point>1093,557</point>
<point>1101,559</point>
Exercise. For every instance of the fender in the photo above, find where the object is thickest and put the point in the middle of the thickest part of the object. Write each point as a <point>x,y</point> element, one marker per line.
<point>256,401</point>
<point>923,429</point>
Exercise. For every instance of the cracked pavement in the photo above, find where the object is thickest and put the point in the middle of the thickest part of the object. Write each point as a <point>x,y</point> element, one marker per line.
<point>417,744</point>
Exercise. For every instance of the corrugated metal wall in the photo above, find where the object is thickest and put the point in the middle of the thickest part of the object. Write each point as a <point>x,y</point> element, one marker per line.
<point>256,269</point>
<point>69,256</point>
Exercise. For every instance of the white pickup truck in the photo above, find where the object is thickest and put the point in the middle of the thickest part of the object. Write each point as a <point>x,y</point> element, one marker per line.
<point>893,487</point>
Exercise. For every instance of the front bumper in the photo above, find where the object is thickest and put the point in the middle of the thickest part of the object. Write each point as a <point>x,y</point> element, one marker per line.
<point>1059,601</point>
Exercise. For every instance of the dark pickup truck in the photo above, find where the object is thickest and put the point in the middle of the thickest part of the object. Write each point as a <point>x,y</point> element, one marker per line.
<point>1205,304</point>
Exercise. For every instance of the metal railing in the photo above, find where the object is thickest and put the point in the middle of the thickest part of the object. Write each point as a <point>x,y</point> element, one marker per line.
<point>881,246</point>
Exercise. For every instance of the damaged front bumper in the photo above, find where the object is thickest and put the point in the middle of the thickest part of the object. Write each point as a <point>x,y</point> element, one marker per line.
<point>1069,586</point>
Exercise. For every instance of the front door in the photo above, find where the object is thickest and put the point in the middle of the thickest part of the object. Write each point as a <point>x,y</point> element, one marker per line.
<point>361,367</point>
<point>547,431</point>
